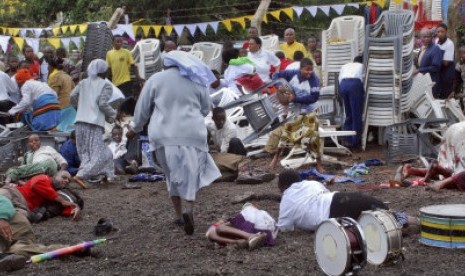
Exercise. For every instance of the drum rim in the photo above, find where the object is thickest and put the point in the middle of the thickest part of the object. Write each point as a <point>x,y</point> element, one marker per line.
<point>363,240</point>
<point>423,212</point>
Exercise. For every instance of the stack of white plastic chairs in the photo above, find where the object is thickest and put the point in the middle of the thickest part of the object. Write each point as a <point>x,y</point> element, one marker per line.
<point>147,56</point>
<point>211,54</point>
<point>389,68</point>
<point>341,43</point>
<point>270,42</point>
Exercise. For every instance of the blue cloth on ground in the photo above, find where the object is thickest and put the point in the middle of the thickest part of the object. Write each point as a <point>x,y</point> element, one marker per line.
<point>327,177</point>
<point>357,170</point>
<point>144,177</point>
<point>373,162</point>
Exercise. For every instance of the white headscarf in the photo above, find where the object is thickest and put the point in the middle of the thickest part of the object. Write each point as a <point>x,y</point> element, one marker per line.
<point>97,66</point>
<point>190,67</point>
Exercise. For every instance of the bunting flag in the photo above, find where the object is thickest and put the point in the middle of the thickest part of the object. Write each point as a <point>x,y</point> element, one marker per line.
<point>34,43</point>
<point>146,29</point>
<point>56,31</point>
<point>298,11</point>
<point>355,5</point>
<point>192,28</point>
<point>157,29</point>
<point>82,28</point>
<point>227,24</point>
<point>55,42</point>
<point>4,39</point>
<point>214,25</point>
<point>240,20</point>
<point>37,31</point>
<point>168,29</point>
<point>203,27</point>
<point>13,31</point>
<point>64,29</point>
<point>312,10</point>
<point>179,28</point>
<point>265,19</point>
<point>65,42</point>
<point>23,32</point>
<point>339,9</point>
<point>276,14</point>
<point>76,41</point>
<point>324,9</point>
<point>19,41</point>
<point>73,28</point>
<point>289,12</point>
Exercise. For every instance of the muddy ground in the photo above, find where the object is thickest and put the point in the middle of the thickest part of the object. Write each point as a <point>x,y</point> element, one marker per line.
<point>149,243</point>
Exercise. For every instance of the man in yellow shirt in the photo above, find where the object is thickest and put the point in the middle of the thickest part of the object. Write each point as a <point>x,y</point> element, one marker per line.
<point>120,64</point>
<point>290,46</point>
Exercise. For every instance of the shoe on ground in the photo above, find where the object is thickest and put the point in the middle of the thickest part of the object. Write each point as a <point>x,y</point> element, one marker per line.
<point>11,262</point>
<point>256,240</point>
<point>188,223</point>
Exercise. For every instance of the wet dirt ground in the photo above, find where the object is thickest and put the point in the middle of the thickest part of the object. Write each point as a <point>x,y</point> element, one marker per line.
<point>148,243</point>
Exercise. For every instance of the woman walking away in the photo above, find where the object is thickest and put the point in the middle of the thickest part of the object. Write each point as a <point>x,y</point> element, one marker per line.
<point>176,102</point>
<point>91,96</point>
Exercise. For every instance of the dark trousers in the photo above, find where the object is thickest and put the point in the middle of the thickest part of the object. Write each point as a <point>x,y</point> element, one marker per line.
<point>352,93</point>
<point>351,205</point>
<point>236,147</point>
<point>127,88</point>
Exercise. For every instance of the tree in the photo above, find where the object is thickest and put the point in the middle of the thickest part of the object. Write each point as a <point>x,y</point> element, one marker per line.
<point>259,14</point>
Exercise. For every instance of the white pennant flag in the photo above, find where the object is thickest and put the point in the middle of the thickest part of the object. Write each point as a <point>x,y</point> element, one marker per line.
<point>312,10</point>
<point>203,27</point>
<point>22,32</point>
<point>77,41</point>
<point>4,42</point>
<point>34,43</point>
<point>83,38</point>
<point>338,8</point>
<point>355,5</point>
<point>179,28</point>
<point>214,25</point>
<point>324,9</point>
<point>192,28</point>
<point>66,42</point>
<point>127,28</point>
<point>37,31</point>
<point>298,10</point>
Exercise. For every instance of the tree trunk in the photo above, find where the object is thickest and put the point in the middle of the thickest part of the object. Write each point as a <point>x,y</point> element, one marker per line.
<point>259,14</point>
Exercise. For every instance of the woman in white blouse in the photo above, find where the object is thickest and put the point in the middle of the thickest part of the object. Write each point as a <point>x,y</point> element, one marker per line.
<point>262,59</point>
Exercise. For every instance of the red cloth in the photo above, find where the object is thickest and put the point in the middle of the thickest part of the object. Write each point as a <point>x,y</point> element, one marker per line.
<point>284,63</point>
<point>34,68</point>
<point>38,190</point>
<point>373,13</point>
<point>245,45</point>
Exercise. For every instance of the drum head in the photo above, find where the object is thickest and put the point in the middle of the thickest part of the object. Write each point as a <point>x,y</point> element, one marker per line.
<point>332,248</point>
<point>445,210</point>
<point>376,238</point>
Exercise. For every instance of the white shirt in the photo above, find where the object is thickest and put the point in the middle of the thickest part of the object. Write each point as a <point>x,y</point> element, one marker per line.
<point>448,48</point>
<point>353,70</point>
<point>221,137</point>
<point>293,66</point>
<point>263,60</point>
<point>8,89</point>
<point>45,153</point>
<point>236,71</point>
<point>304,205</point>
<point>117,149</point>
<point>31,91</point>
<point>44,71</point>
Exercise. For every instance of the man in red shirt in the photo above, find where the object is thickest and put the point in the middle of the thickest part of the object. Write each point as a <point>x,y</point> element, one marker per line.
<point>34,65</point>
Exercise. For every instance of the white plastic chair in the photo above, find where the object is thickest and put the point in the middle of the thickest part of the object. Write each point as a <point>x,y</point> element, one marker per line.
<point>211,54</point>
<point>198,54</point>
<point>147,56</point>
<point>270,42</point>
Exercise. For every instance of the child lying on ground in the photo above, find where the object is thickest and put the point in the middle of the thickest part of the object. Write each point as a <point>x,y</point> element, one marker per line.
<point>250,229</point>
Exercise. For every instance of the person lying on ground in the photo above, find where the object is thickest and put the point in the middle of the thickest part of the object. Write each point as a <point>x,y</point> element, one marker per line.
<point>229,152</point>
<point>39,160</point>
<point>250,229</point>
<point>17,239</point>
<point>119,151</point>
<point>69,151</point>
<point>305,204</point>
<point>450,163</point>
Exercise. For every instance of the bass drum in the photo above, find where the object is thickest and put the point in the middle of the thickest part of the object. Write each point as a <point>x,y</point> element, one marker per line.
<point>340,246</point>
<point>383,236</point>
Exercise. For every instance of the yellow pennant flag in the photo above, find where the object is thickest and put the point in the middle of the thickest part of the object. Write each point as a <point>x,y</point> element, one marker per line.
<point>265,19</point>
<point>55,42</point>
<point>168,29</point>
<point>276,14</point>
<point>14,32</point>
<point>289,12</point>
<point>73,28</point>
<point>227,24</point>
<point>56,31</point>
<point>240,20</point>
<point>382,3</point>
<point>157,29</point>
<point>82,27</point>
<point>145,30</point>
<point>135,28</point>
<point>64,29</point>
<point>19,41</point>
<point>248,17</point>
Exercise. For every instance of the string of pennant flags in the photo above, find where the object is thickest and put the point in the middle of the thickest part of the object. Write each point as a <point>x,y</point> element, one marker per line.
<point>20,35</point>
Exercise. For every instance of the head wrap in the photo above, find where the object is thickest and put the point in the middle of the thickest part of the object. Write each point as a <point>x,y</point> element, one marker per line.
<point>190,67</point>
<point>23,75</point>
<point>97,66</point>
